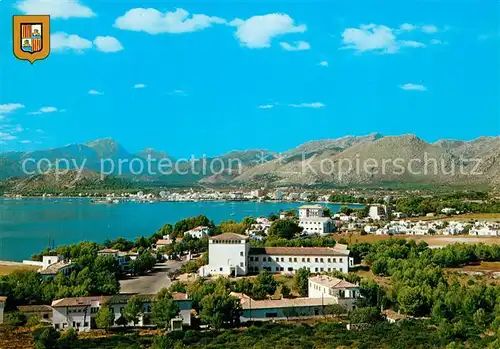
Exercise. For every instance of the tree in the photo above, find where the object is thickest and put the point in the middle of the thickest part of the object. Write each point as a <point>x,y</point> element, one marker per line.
<point>15,319</point>
<point>144,263</point>
<point>104,318</point>
<point>301,281</point>
<point>217,309</point>
<point>46,338</point>
<point>133,310</point>
<point>266,282</point>
<point>285,291</point>
<point>346,210</point>
<point>33,320</point>
<point>335,310</point>
<point>369,315</point>
<point>68,339</point>
<point>284,228</point>
<point>163,310</point>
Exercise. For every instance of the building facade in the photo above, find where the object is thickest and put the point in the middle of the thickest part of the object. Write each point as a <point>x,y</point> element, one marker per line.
<point>78,312</point>
<point>307,211</point>
<point>316,225</point>
<point>323,286</point>
<point>227,255</point>
<point>198,232</point>
<point>291,259</point>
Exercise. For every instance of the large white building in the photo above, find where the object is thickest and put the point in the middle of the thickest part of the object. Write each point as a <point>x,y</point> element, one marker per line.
<point>230,254</point>
<point>307,211</point>
<point>313,221</point>
<point>227,255</point>
<point>78,312</point>
<point>316,225</point>
<point>324,286</point>
<point>379,212</point>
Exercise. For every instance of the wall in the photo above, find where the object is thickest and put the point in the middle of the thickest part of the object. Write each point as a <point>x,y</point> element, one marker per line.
<point>312,265</point>
<point>222,256</point>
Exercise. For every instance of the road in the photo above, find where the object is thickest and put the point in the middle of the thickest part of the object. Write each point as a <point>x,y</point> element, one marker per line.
<point>153,282</point>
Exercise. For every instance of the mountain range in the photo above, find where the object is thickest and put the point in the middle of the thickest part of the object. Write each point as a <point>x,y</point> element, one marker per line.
<point>350,160</point>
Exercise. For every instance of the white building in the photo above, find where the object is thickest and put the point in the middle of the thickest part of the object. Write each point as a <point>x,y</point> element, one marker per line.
<point>308,211</point>
<point>316,225</point>
<point>485,230</point>
<point>230,254</point>
<point>324,286</point>
<point>291,259</point>
<point>198,232</point>
<point>77,312</point>
<point>50,266</point>
<point>379,212</point>
<point>227,255</point>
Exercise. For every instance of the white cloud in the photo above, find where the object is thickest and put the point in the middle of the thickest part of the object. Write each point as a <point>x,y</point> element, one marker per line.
<point>139,86</point>
<point>436,42</point>
<point>407,27</point>
<point>95,92</point>
<point>177,93</point>
<point>296,46</point>
<point>413,87</point>
<point>55,8</point>
<point>62,41</point>
<point>25,141</point>
<point>44,110</point>
<point>10,107</point>
<point>314,105</point>
<point>429,29</point>
<point>265,106</point>
<point>107,44</point>
<point>378,38</point>
<point>7,136</point>
<point>323,64</point>
<point>258,31</point>
<point>153,21</point>
<point>411,43</point>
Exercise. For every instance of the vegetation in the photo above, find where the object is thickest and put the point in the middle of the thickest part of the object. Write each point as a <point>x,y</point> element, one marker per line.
<point>284,229</point>
<point>104,318</point>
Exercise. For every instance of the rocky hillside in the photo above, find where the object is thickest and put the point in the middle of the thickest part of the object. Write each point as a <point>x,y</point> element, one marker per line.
<point>364,160</point>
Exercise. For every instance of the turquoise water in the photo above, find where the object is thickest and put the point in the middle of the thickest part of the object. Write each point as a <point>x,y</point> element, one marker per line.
<point>27,225</point>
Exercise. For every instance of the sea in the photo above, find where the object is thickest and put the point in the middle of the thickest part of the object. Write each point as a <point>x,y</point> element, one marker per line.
<point>28,226</point>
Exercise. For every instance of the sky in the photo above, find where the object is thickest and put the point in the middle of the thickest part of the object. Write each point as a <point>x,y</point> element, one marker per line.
<point>202,77</point>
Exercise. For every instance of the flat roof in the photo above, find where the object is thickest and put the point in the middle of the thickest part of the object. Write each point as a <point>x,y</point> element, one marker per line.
<point>318,219</point>
<point>229,236</point>
<point>299,251</point>
<point>310,206</point>
<point>331,282</point>
<point>114,299</point>
<point>249,303</point>
<point>55,268</point>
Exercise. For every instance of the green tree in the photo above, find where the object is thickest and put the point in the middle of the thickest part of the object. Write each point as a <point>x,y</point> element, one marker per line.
<point>163,310</point>
<point>68,339</point>
<point>104,318</point>
<point>301,281</point>
<point>369,315</point>
<point>285,291</point>
<point>133,310</point>
<point>46,338</point>
<point>284,228</point>
<point>15,319</point>
<point>218,309</point>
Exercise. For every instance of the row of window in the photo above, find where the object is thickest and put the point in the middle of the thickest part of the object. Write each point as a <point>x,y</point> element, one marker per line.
<point>295,259</point>
<point>226,242</point>
<point>291,269</point>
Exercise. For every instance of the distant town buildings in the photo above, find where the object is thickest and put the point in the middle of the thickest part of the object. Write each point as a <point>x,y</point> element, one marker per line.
<point>198,232</point>
<point>379,212</point>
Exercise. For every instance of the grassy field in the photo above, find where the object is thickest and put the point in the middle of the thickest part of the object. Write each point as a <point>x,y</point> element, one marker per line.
<point>8,267</point>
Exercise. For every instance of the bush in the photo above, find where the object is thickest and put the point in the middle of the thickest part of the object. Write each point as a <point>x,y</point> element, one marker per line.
<point>46,338</point>
<point>68,339</point>
<point>33,321</point>
<point>15,319</point>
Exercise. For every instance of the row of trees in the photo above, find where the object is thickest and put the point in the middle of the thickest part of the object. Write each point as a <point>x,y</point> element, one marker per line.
<point>420,286</point>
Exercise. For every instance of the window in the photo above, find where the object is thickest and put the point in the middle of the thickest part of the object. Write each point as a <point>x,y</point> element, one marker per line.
<point>316,260</point>
<point>277,268</point>
<point>321,260</point>
<point>335,260</point>
<point>316,270</point>
<point>303,260</point>
<point>308,260</point>
<point>340,260</point>
<point>329,269</point>
<point>282,269</point>
<point>271,314</point>
<point>251,259</point>
<point>220,269</point>
<point>74,324</point>
<point>256,259</point>
<point>329,260</point>
<point>321,269</point>
<point>295,260</point>
<point>85,324</point>
<point>289,259</point>
<point>282,259</point>
<point>290,269</point>
<point>242,264</point>
<point>241,253</point>
<point>56,326</point>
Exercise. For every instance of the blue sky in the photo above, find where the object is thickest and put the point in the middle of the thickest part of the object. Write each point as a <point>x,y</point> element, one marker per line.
<point>208,77</point>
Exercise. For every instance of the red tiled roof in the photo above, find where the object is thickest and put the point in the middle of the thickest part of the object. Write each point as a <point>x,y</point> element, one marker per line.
<point>229,236</point>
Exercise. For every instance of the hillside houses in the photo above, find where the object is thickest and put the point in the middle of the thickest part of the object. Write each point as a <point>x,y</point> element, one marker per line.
<point>485,229</point>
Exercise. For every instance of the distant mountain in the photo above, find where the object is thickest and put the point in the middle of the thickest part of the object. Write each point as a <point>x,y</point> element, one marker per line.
<point>350,160</point>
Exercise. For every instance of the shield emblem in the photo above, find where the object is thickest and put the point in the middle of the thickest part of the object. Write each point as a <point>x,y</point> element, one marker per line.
<point>31,37</point>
